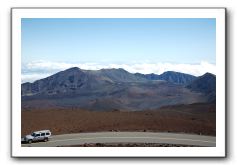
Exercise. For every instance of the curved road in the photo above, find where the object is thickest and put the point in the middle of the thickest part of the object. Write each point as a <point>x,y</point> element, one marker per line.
<point>126,137</point>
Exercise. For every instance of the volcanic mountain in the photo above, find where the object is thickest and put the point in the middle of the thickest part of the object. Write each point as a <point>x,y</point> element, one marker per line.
<point>76,80</point>
<point>173,77</point>
<point>205,84</point>
<point>114,89</point>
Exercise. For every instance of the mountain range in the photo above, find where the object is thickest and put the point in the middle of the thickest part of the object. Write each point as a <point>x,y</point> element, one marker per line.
<point>117,89</point>
<point>174,77</point>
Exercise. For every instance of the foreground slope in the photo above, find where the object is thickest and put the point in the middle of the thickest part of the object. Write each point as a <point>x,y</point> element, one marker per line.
<point>194,118</point>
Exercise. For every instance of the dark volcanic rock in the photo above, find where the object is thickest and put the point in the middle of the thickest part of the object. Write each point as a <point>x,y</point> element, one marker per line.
<point>61,82</point>
<point>205,84</point>
<point>176,77</point>
<point>76,80</point>
<point>170,76</point>
<point>151,76</point>
<point>120,75</point>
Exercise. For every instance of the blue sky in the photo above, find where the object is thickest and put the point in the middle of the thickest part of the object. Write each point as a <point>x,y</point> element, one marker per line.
<point>118,41</point>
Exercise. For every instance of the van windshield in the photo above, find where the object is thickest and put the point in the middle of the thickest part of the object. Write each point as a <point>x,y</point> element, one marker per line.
<point>33,134</point>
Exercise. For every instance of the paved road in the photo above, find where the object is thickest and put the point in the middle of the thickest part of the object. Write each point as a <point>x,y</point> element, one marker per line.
<point>126,137</point>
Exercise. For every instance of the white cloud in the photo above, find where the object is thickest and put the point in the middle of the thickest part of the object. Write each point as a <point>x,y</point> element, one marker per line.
<point>31,77</point>
<point>40,69</point>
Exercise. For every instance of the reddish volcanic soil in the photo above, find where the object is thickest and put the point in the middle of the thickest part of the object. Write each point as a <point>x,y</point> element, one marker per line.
<point>195,118</point>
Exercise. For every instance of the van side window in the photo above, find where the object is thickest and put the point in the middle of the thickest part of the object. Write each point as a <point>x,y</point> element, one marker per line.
<point>47,133</point>
<point>37,135</point>
<point>42,134</point>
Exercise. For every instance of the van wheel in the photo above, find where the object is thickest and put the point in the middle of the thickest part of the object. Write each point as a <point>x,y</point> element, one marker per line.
<point>46,139</point>
<point>29,141</point>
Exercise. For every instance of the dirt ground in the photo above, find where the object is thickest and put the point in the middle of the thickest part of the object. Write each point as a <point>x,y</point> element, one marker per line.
<point>195,119</point>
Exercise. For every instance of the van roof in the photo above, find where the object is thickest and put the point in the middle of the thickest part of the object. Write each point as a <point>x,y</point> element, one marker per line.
<point>41,131</point>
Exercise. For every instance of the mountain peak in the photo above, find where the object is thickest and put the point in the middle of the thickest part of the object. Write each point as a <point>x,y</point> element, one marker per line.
<point>205,84</point>
<point>113,69</point>
<point>73,69</point>
<point>120,75</point>
<point>170,72</point>
<point>177,77</point>
<point>170,76</point>
<point>208,74</point>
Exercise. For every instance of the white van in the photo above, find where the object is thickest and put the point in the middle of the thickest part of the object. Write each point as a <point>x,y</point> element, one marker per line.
<point>36,136</point>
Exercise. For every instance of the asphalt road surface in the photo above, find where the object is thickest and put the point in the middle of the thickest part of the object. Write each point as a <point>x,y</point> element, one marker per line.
<point>126,137</point>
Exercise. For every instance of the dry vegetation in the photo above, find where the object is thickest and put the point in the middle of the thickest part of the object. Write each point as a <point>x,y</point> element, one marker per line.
<point>196,118</point>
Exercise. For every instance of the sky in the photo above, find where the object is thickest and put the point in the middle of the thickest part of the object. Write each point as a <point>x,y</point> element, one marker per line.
<point>145,45</point>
